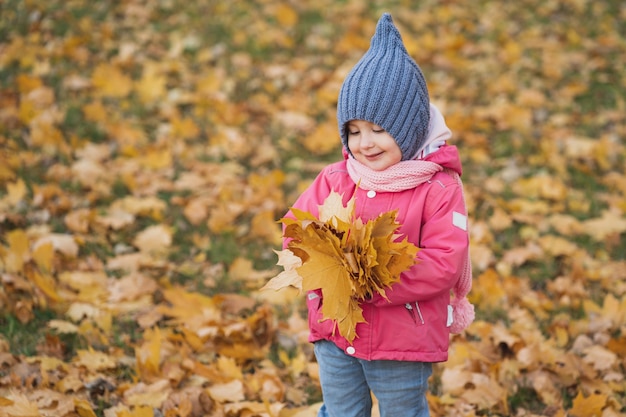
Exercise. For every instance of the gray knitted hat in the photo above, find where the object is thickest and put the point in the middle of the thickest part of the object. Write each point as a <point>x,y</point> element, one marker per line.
<point>387,87</point>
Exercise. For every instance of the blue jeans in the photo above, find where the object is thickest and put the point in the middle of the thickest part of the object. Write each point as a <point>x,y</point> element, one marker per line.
<point>399,386</point>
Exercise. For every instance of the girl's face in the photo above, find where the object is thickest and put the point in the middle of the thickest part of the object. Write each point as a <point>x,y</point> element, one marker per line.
<point>372,146</point>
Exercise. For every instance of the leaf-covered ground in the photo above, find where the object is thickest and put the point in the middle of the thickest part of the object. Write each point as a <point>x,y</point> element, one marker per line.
<point>147,149</point>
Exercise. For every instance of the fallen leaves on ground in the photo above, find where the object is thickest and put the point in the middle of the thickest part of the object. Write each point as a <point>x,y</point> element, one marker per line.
<point>146,149</point>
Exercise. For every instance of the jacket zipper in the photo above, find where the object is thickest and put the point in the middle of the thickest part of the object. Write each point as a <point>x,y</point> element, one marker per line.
<point>409,308</point>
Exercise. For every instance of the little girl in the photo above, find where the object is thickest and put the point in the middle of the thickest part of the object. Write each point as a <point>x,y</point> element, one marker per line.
<point>395,150</point>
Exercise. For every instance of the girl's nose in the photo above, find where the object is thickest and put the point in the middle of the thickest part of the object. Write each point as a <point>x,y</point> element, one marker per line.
<point>366,140</point>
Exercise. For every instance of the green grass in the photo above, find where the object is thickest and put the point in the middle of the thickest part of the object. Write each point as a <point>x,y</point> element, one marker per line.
<point>526,398</point>
<point>25,338</point>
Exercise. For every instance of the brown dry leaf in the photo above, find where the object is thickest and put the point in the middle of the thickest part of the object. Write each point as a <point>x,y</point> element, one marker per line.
<point>600,358</point>
<point>141,206</point>
<point>454,380</point>
<point>78,221</point>
<point>94,360</point>
<point>62,326</point>
<point>566,225</point>
<point>251,408</point>
<point>51,402</point>
<point>19,406</point>
<point>196,210</point>
<point>546,386</point>
<point>130,287</point>
<point>611,223</point>
<point>500,220</point>
<point>154,239</point>
<point>116,219</point>
<point>557,246</point>
<point>520,255</point>
<point>486,394</point>
<point>152,395</point>
<point>482,256</point>
<point>232,391</point>
<point>64,243</point>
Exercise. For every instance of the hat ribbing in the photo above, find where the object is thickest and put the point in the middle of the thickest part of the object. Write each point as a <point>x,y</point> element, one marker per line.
<point>386,87</point>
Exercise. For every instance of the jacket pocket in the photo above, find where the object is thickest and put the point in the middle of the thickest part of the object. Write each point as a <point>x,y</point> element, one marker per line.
<point>318,327</point>
<point>415,312</point>
<point>313,300</point>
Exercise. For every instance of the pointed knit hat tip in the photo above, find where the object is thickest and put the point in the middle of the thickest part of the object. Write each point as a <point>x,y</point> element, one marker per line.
<point>386,31</point>
<point>386,87</point>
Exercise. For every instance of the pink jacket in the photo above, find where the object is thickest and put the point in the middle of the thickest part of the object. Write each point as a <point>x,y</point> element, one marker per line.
<point>414,324</point>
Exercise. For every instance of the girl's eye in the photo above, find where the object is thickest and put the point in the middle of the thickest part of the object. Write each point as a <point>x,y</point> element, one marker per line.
<point>378,130</point>
<point>353,133</point>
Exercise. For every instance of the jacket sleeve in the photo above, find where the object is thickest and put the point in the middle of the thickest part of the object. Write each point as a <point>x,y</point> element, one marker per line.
<point>443,246</point>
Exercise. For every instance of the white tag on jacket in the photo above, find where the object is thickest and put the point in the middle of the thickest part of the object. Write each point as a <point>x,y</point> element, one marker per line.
<point>450,316</point>
<point>459,220</point>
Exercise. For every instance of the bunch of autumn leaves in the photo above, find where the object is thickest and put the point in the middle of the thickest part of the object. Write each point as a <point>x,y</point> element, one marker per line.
<point>347,259</point>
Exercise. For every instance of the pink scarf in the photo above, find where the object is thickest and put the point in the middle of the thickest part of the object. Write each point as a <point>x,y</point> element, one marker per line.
<point>409,174</point>
<point>399,177</point>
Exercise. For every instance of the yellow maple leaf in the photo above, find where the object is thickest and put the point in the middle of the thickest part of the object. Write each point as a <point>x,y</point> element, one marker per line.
<point>45,282</point>
<point>327,269</point>
<point>333,208</point>
<point>286,15</point>
<point>19,250</point>
<point>43,256</point>
<point>110,81</point>
<point>152,85</point>
<point>184,128</point>
<point>16,192</point>
<point>148,355</point>
<point>588,406</point>
<point>83,408</point>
